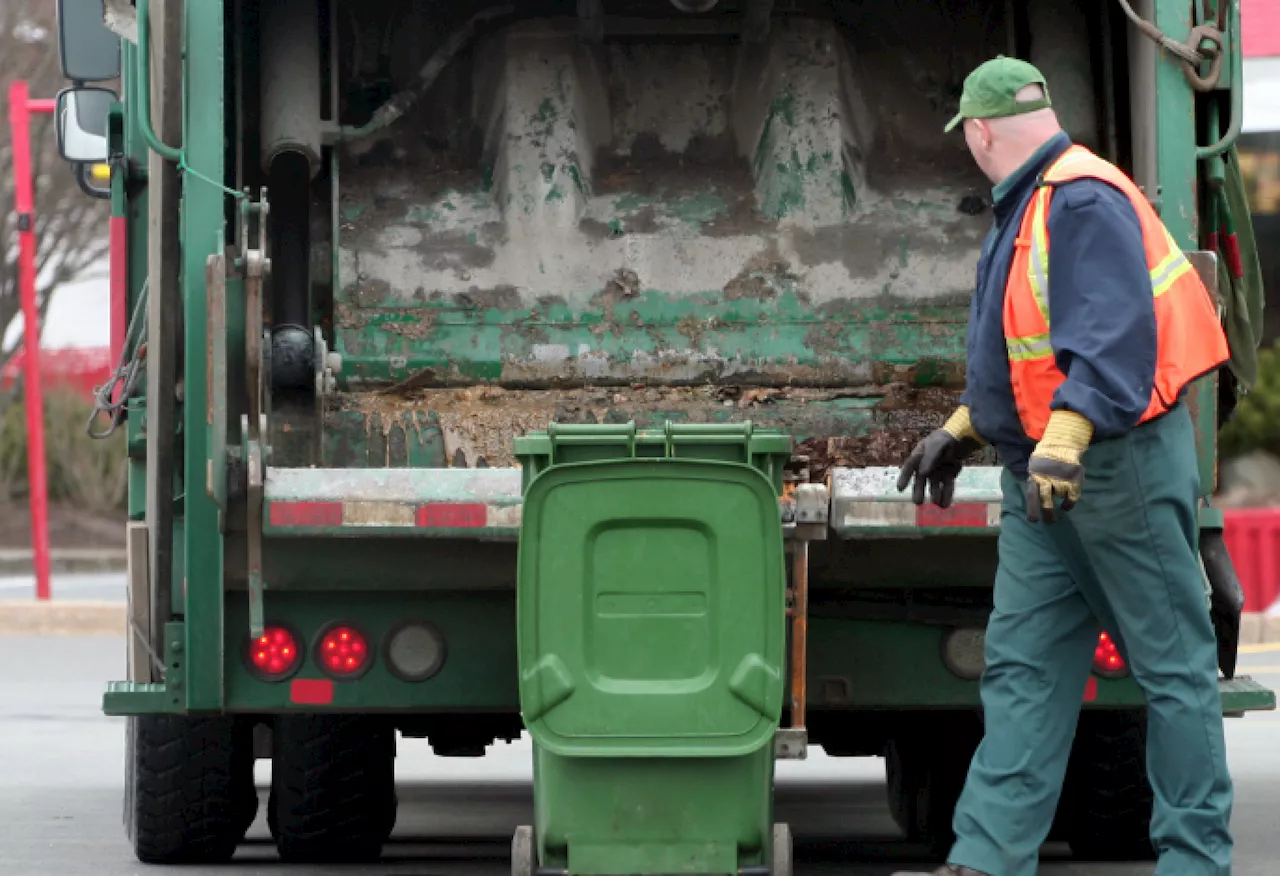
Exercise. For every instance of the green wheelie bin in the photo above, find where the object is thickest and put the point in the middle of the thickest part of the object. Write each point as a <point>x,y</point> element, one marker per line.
<point>652,626</point>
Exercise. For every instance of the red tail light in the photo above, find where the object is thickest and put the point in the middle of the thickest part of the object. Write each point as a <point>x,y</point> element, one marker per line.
<point>1107,661</point>
<point>343,652</point>
<point>274,655</point>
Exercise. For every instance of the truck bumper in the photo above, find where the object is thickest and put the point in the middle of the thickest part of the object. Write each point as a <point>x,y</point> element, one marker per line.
<point>1239,695</point>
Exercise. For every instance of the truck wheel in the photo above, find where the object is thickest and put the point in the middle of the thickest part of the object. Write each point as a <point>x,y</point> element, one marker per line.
<point>925,776</point>
<point>522,852</point>
<point>782,850</point>
<point>1107,798</point>
<point>333,793</point>
<point>189,795</point>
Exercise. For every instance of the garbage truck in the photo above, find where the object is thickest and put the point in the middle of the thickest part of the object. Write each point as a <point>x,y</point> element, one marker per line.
<point>546,366</point>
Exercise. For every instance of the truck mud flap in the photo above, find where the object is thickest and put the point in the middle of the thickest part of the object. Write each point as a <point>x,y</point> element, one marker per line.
<point>1226,598</point>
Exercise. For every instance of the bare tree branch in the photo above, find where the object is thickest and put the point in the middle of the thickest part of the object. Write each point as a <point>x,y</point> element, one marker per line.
<point>71,228</point>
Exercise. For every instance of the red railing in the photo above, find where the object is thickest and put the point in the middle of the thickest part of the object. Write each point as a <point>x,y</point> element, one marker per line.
<point>1253,540</point>
<point>78,370</point>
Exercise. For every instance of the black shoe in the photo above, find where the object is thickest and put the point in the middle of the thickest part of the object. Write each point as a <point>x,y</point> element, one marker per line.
<point>946,870</point>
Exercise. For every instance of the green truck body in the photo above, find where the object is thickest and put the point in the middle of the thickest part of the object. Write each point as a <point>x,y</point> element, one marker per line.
<point>380,241</point>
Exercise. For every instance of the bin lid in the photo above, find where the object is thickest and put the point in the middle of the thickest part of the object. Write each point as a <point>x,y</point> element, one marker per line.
<point>651,609</point>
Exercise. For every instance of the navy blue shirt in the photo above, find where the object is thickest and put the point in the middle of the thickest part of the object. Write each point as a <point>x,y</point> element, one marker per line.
<point>1101,310</point>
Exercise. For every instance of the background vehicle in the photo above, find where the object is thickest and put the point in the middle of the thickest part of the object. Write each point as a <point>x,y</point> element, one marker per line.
<point>374,242</point>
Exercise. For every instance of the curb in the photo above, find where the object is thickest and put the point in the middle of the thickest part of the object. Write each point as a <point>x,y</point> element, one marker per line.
<point>63,561</point>
<point>1259,629</point>
<point>61,618</point>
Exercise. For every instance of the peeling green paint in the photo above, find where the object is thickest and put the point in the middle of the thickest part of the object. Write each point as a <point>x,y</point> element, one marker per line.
<point>422,214</point>
<point>770,331</point>
<point>576,175</point>
<point>700,208</point>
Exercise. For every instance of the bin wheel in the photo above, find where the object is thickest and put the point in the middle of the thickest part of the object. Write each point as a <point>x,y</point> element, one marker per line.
<point>522,863</point>
<point>781,850</point>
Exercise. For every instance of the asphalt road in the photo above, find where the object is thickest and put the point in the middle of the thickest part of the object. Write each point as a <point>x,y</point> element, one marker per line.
<point>62,766</point>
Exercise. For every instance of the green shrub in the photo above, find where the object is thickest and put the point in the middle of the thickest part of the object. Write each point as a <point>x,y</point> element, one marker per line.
<point>89,474</point>
<point>1256,423</point>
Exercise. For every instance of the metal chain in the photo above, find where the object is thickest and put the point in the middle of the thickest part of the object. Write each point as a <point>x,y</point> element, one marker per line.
<point>1191,53</point>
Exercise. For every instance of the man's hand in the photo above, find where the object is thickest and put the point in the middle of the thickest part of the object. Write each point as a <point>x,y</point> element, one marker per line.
<point>937,460</point>
<point>1055,470</point>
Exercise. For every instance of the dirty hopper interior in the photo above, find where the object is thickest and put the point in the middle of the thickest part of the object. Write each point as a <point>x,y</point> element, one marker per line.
<point>599,211</point>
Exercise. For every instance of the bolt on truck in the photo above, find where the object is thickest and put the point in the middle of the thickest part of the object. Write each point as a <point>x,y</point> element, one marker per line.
<point>387,266</point>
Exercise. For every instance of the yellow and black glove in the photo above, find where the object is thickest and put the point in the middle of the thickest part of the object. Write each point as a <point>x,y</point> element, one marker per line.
<point>938,458</point>
<point>1055,470</point>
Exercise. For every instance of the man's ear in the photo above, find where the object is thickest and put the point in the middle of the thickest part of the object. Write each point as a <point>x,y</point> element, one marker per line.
<point>984,132</point>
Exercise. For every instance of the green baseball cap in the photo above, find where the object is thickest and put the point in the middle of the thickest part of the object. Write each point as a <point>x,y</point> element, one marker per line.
<point>991,91</point>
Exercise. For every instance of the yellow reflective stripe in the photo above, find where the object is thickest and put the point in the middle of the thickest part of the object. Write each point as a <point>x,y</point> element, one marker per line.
<point>1070,158</point>
<point>1170,269</point>
<point>1038,263</point>
<point>1029,347</point>
<point>1168,272</point>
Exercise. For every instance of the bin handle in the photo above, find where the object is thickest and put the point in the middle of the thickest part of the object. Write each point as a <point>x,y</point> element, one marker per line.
<point>736,434</point>
<point>566,434</point>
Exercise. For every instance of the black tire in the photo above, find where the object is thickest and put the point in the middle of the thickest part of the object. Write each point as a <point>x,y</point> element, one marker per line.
<point>189,795</point>
<point>1107,799</point>
<point>925,773</point>
<point>782,850</point>
<point>523,854</point>
<point>333,794</point>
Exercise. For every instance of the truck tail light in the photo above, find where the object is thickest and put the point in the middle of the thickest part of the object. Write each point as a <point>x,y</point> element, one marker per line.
<point>343,652</point>
<point>963,652</point>
<point>414,651</point>
<point>1107,661</point>
<point>274,656</point>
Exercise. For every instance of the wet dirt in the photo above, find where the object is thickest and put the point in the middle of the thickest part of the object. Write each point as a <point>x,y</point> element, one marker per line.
<point>481,423</point>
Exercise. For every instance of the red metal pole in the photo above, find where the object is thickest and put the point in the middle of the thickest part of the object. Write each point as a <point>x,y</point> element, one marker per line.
<point>20,109</point>
<point>119,287</point>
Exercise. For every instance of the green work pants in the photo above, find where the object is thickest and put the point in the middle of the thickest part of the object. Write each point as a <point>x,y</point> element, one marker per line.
<point>1124,560</point>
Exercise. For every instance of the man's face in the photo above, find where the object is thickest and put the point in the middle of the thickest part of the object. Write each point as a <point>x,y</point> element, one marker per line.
<point>977,136</point>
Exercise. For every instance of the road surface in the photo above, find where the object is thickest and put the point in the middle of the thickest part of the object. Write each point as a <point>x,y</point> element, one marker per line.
<point>61,793</point>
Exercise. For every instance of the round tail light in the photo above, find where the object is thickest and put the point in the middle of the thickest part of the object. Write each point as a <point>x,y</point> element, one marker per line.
<point>343,652</point>
<point>414,651</point>
<point>1107,661</point>
<point>274,656</point>
<point>964,652</point>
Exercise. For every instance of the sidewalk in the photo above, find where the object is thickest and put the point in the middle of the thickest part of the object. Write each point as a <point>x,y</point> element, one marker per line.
<point>83,604</point>
<point>61,618</point>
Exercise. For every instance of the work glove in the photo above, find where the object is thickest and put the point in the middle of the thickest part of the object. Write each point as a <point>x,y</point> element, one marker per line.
<point>1055,470</point>
<point>937,460</point>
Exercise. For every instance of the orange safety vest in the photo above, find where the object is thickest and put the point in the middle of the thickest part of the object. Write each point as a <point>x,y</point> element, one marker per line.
<point>1189,338</point>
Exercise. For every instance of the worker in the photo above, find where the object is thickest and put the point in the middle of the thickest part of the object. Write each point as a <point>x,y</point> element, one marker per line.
<point>1087,325</point>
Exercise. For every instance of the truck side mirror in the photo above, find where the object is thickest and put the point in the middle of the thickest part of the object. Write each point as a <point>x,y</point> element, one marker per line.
<point>87,48</point>
<point>82,123</point>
